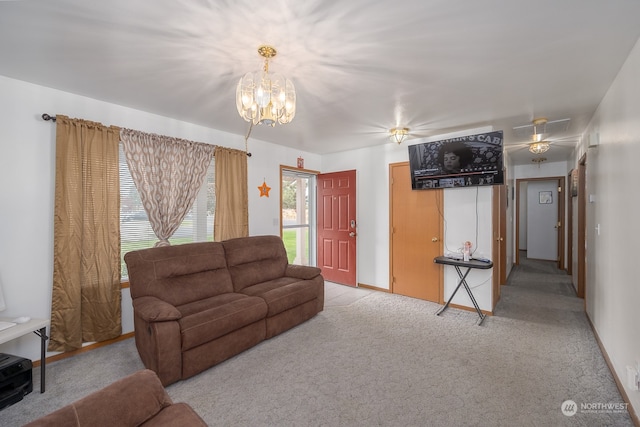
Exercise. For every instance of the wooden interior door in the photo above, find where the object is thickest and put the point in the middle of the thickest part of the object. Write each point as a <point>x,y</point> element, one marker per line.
<point>337,226</point>
<point>569,198</point>
<point>415,237</point>
<point>560,227</point>
<point>499,250</point>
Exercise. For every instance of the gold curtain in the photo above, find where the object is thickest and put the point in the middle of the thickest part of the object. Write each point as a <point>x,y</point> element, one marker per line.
<point>85,305</point>
<point>231,217</point>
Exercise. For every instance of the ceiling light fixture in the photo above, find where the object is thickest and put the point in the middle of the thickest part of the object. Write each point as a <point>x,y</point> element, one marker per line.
<point>264,98</point>
<point>539,147</point>
<point>399,134</point>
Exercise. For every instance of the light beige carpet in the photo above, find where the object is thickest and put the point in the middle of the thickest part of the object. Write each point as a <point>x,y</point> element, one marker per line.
<point>387,360</point>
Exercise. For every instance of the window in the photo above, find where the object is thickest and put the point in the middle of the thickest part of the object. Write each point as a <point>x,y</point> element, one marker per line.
<point>298,216</point>
<point>135,228</point>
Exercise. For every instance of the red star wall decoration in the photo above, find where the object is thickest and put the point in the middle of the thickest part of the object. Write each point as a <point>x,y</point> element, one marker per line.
<point>264,189</point>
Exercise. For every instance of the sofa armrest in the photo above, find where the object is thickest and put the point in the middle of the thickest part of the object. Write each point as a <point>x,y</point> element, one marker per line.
<point>304,272</point>
<point>129,401</point>
<point>178,414</point>
<point>152,309</point>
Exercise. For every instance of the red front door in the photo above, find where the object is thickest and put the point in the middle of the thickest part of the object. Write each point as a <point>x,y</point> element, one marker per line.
<point>337,226</point>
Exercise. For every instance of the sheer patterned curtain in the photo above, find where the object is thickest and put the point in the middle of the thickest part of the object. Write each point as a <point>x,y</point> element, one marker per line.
<point>85,305</point>
<point>231,218</point>
<point>168,172</point>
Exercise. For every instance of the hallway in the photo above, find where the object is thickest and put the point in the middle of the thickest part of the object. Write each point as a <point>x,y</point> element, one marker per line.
<point>538,291</point>
<point>541,276</point>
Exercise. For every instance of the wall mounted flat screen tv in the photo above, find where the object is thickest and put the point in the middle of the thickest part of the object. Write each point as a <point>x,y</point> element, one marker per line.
<point>466,161</point>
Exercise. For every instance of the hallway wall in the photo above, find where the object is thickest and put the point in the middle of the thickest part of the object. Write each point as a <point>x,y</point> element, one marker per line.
<point>612,291</point>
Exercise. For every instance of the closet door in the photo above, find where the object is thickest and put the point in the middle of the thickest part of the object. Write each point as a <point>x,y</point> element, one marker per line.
<point>415,236</point>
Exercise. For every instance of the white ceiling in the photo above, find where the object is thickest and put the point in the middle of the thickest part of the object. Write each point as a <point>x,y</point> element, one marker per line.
<point>360,67</point>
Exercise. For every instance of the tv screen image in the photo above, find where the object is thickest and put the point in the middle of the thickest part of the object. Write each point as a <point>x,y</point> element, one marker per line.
<point>465,161</point>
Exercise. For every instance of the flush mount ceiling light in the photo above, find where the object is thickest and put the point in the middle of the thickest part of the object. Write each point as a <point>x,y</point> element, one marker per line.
<point>399,134</point>
<point>539,147</point>
<point>263,98</point>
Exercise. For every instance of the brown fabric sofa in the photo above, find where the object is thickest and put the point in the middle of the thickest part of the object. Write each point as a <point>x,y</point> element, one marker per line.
<point>136,400</point>
<point>198,304</point>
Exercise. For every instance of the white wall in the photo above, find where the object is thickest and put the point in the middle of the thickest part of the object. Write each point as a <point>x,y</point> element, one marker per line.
<point>372,205</point>
<point>542,170</point>
<point>27,173</point>
<point>462,225</point>
<point>522,217</point>
<point>511,212</point>
<point>372,166</point>
<point>613,174</point>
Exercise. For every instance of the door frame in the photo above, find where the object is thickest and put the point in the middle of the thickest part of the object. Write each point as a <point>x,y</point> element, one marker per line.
<point>499,234</point>
<point>561,216</point>
<point>582,227</point>
<point>569,200</point>
<point>312,223</point>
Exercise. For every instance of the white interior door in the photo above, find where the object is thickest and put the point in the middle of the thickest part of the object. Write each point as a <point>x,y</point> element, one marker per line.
<point>542,220</point>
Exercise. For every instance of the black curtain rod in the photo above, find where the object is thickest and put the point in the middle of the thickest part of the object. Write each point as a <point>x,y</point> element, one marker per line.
<point>47,118</point>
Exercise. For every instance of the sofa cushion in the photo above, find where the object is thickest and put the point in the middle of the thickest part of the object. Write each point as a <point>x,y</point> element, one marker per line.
<point>284,293</point>
<point>255,259</point>
<point>205,320</point>
<point>179,274</point>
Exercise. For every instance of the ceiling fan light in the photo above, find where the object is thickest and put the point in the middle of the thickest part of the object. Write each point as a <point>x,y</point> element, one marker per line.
<point>539,147</point>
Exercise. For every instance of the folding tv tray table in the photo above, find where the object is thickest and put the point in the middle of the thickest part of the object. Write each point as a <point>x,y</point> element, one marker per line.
<point>457,263</point>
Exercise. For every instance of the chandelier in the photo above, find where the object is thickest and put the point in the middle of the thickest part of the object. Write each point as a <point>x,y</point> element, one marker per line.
<point>399,134</point>
<point>264,98</point>
<point>539,147</point>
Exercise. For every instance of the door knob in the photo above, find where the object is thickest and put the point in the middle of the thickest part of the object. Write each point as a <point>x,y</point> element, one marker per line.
<point>434,239</point>
<point>352,234</point>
